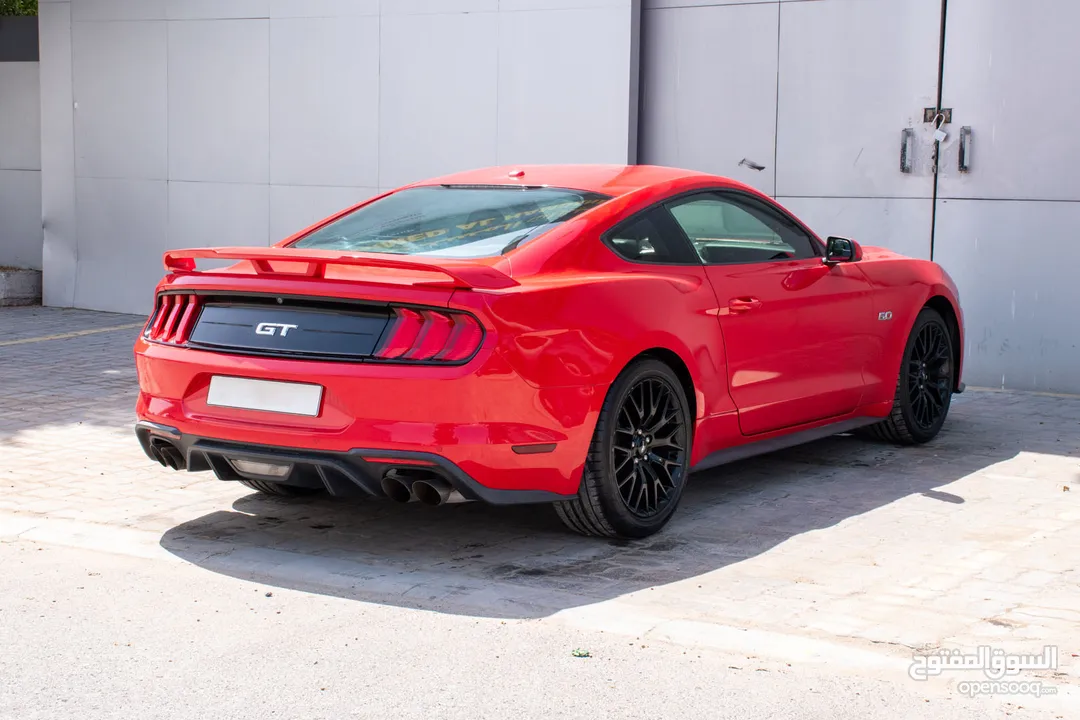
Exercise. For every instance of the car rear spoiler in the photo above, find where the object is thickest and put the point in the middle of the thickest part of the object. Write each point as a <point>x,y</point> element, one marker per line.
<point>479,277</point>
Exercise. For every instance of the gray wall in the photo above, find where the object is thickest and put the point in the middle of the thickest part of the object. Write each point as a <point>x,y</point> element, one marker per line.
<point>20,145</point>
<point>819,92</point>
<point>175,123</point>
<point>170,123</point>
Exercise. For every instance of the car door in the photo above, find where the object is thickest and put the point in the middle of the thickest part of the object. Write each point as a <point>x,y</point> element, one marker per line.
<point>798,333</point>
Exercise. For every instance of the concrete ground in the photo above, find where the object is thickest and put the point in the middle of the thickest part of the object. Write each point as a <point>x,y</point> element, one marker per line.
<point>795,585</point>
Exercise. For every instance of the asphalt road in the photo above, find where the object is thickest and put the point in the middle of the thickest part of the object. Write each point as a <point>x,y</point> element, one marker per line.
<point>85,634</point>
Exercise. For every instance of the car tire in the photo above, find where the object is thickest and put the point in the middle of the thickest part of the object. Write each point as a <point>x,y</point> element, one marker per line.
<point>277,489</point>
<point>640,449</point>
<point>923,395</point>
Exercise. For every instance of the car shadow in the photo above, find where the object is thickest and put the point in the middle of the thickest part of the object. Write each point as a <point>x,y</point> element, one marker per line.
<point>519,561</point>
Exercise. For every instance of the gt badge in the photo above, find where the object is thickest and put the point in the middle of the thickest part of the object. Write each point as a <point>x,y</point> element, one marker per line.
<point>274,328</point>
<point>887,315</point>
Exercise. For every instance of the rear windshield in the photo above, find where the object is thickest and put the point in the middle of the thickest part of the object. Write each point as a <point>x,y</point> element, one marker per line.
<point>452,221</point>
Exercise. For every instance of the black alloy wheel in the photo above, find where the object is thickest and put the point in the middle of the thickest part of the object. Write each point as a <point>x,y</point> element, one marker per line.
<point>929,376</point>
<point>649,447</point>
<point>925,384</point>
<point>639,457</point>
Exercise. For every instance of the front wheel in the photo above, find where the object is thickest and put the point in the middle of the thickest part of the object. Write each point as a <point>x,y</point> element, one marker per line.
<point>924,388</point>
<point>639,457</point>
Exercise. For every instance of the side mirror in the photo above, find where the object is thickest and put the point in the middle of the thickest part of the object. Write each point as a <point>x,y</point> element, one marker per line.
<point>839,249</point>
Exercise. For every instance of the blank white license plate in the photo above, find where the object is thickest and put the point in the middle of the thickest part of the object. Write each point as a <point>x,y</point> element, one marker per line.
<point>266,395</point>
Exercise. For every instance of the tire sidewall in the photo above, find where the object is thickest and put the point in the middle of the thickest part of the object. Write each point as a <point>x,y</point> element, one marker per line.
<point>926,317</point>
<point>621,518</point>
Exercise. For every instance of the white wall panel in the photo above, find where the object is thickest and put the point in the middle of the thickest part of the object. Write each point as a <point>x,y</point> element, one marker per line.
<point>324,101</point>
<point>98,10</point>
<point>438,105</point>
<point>421,7</point>
<point>1015,264</point>
<point>323,8</point>
<point>219,95</point>
<point>569,106</point>
<point>121,83</point>
<point>243,121</point>
<point>853,74</point>
<point>206,214</point>
<point>122,235</point>
<point>20,119</point>
<point>57,155</point>
<point>1010,74</point>
<point>20,165</point>
<point>216,9</point>
<point>899,224</point>
<point>656,4</point>
<point>293,208</point>
<point>20,218</point>
<point>709,90</point>
<point>516,5</point>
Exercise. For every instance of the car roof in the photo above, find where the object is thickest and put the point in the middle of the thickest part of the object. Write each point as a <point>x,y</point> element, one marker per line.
<point>612,180</point>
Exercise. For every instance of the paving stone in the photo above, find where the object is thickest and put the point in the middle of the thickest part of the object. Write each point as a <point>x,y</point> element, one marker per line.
<point>970,539</point>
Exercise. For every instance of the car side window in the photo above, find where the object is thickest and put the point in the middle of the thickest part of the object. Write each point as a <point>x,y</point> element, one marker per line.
<point>651,238</point>
<point>727,229</point>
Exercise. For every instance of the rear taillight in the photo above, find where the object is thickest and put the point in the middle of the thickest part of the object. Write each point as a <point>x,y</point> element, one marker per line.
<point>173,319</point>
<point>431,336</point>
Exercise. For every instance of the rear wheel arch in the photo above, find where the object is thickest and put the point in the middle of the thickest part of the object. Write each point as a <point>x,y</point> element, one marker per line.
<point>602,506</point>
<point>673,360</point>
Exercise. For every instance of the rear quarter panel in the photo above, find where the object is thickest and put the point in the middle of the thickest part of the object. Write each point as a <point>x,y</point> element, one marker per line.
<point>577,328</point>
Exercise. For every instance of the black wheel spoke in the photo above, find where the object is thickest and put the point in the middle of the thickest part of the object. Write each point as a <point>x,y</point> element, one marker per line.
<point>929,375</point>
<point>649,446</point>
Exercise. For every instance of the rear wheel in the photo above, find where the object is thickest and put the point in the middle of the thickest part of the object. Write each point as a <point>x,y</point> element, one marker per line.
<point>924,388</point>
<point>277,489</point>
<point>639,457</point>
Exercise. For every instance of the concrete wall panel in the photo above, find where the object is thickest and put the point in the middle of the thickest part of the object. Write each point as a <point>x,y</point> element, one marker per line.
<point>571,105</point>
<point>219,97</point>
<point>205,214</point>
<point>121,96</point>
<point>59,255</point>
<point>123,233</point>
<point>20,119</point>
<point>438,95</point>
<point>20,219</point>
<point>324,101</point>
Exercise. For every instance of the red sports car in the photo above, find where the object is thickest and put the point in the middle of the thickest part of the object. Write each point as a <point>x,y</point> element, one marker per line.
<point>585,336</point>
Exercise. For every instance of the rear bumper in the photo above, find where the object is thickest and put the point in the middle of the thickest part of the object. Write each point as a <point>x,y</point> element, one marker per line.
<point>485,428</point>
<point>342,474</point>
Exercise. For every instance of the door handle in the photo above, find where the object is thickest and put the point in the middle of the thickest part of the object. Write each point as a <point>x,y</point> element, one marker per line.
<point>907,135</point>
<point>964,159</point>
<point>741,305</point>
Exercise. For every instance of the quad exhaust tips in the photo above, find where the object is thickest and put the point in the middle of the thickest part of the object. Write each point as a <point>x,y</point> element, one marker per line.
<point>428,489</point>
<point>397,489</point>
<point>167,454</point>
<point>433,491</point>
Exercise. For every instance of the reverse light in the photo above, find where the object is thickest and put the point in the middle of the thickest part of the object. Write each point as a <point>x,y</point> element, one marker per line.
<point>173,319</point>
<point>250,467</point>
<point>431,336</point>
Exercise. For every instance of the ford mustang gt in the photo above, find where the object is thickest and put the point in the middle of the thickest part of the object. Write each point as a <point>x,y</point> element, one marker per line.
<point>585,336</point>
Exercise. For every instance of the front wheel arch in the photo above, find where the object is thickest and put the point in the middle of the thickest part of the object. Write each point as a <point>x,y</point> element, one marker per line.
<point>945,309</point>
